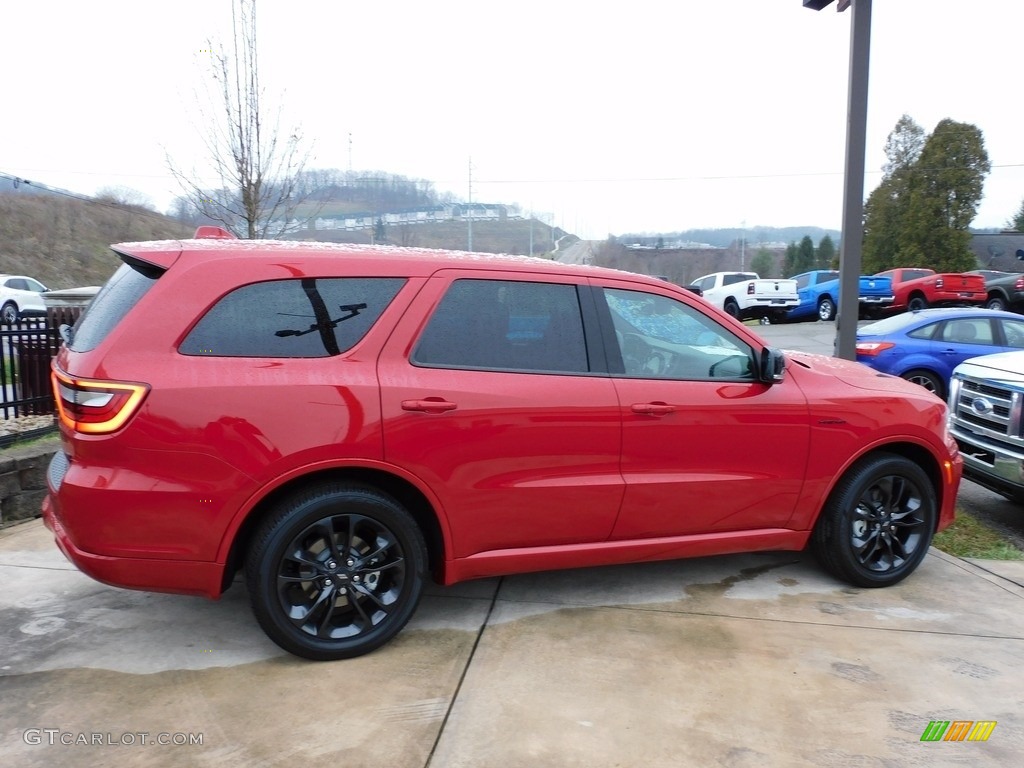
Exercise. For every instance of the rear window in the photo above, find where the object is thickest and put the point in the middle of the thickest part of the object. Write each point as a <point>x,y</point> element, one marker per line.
<point>308,317</point>
<point>122,292</point>
<point>739,277</point>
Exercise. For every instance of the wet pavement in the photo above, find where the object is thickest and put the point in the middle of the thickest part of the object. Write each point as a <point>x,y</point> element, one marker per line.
<point>748,660</point>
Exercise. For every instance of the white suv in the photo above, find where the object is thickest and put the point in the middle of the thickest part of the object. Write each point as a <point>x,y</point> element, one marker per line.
<point>20,296</point>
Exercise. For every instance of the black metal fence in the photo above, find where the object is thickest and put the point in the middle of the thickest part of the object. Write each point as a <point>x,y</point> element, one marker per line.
<point>26,348</point>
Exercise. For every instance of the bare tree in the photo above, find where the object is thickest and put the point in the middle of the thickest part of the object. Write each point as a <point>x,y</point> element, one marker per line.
<point>256,163</point>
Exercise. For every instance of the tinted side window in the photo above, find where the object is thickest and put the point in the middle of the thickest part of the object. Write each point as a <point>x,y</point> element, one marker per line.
<point>661,338</point>
<point>310,317</point>
<point>505,325</point>
<point>121,292</point>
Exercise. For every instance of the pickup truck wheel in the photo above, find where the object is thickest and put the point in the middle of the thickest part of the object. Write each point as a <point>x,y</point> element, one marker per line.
<point>926,379</point>
<point>877,525</point>
<point>995,302</point>
<point>9,313</point>
<point>732,309</point>
<point>335,571</point>
<point>916,303</point>
<point>826,310</point>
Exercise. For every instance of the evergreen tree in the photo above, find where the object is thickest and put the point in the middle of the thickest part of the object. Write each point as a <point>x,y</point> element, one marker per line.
<point>805,255</point>
<point>1017,222</point>
<point>885,208</point>
<point>944,192</point>
<point>763,263</point>
<point>791,264</point>
<point>826,253</point>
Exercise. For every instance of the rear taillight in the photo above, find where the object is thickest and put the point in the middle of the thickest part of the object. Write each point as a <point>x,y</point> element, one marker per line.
<point>95,407</point>
<point>750,289</point>
<point>873,348</point>
<point>1019,284</point>
<point>939,283</point>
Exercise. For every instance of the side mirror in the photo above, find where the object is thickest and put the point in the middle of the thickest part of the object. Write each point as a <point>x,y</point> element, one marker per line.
<point>773,365</point>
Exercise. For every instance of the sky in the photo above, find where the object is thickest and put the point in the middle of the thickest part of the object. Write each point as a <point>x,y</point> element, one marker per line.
<point>601,117</point>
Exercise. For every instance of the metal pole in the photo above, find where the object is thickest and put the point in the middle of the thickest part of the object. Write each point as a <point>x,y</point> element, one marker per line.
<point>470,208</point>
<point>853,193</point>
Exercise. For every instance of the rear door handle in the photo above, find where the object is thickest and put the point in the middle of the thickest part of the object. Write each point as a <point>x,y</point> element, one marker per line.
<point>652,409</point>
<point>428,405</point>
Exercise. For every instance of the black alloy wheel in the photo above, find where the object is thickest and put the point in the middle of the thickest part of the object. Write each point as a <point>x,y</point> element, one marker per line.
<point>878,523</point>
<point>336,571</point>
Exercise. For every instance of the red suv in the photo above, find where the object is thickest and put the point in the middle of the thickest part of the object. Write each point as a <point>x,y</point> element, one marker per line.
<point>341,421</point>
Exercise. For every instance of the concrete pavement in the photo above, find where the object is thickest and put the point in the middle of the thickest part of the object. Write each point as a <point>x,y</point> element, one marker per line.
<point>749,660</point>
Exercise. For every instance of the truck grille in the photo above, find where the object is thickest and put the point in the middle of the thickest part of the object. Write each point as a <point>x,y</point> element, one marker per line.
<point>987,409</point>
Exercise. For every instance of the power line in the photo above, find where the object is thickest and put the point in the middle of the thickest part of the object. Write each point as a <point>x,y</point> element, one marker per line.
<point>19,181</point>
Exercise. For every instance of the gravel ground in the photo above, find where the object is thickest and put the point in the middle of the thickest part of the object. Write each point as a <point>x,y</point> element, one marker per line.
<point>24,424</point>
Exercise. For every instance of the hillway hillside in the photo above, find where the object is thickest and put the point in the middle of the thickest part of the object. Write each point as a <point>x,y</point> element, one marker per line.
<point>65,243</point>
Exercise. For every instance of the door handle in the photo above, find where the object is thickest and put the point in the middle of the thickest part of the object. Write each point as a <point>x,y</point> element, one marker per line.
<point>652,409</point>
<point>428,405</point>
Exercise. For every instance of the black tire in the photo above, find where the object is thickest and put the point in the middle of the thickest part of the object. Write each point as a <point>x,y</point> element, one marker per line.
<point>826,309</point>
<point>916,303</point>
<point>878,523</point>
<point>732,309</point>
<point>9,313</point>
<point>926,379</point>
<point>996,302</point>
<point>335,571</point>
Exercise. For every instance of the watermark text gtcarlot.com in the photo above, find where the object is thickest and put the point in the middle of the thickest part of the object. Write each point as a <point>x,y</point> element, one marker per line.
<point>52,737</point>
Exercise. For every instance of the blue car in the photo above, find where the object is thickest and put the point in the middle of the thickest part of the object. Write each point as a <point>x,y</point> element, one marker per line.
<point>925,346</point>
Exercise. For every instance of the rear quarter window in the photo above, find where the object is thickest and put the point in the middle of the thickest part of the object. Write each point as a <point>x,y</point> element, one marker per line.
<point>307,317</point>
<point>108,308</point>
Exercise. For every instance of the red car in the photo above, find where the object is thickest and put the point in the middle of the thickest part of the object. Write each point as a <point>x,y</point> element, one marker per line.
<point>341,421</point>
<point>919,288</point>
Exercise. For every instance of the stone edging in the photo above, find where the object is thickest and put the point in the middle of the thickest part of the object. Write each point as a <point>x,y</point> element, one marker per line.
<point>23,480</point>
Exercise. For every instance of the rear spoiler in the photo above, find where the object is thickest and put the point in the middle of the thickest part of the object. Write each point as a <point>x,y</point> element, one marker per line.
<point>208,232</point>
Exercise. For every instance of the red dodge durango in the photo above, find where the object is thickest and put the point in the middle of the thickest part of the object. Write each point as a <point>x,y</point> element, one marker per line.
<point>343,422</point>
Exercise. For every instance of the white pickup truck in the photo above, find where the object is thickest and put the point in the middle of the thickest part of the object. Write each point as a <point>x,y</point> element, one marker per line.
<point>986,418</point>
<point>744,295</point>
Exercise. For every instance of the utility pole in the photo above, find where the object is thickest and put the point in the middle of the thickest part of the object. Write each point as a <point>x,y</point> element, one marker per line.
<point>350,155</point>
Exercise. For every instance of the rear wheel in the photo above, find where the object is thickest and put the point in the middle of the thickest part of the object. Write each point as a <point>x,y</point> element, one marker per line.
<point>9,313</point>
<point>826,310</point>
<point>732,308</point>
<point>917,302</point>
<point>926,379</point>
<point>878,523</point>
<point>336,571</point>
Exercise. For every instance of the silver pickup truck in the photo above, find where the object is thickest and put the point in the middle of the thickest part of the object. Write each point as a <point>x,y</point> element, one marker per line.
<point>986,417</point>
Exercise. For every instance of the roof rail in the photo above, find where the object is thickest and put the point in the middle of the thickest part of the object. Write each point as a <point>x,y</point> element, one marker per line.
<point>209,232</point>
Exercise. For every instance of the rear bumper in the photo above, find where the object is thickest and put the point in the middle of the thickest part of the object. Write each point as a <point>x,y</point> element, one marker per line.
<point>185,577</point>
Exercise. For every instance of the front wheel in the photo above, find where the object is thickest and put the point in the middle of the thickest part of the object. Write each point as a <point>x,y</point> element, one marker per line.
<point>877,525</point>
<point>996,302</point>
<point>336,571</point>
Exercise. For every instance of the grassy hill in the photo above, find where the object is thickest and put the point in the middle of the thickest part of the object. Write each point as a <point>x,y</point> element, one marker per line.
<point>508,236</point>
<point>65,243</point>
